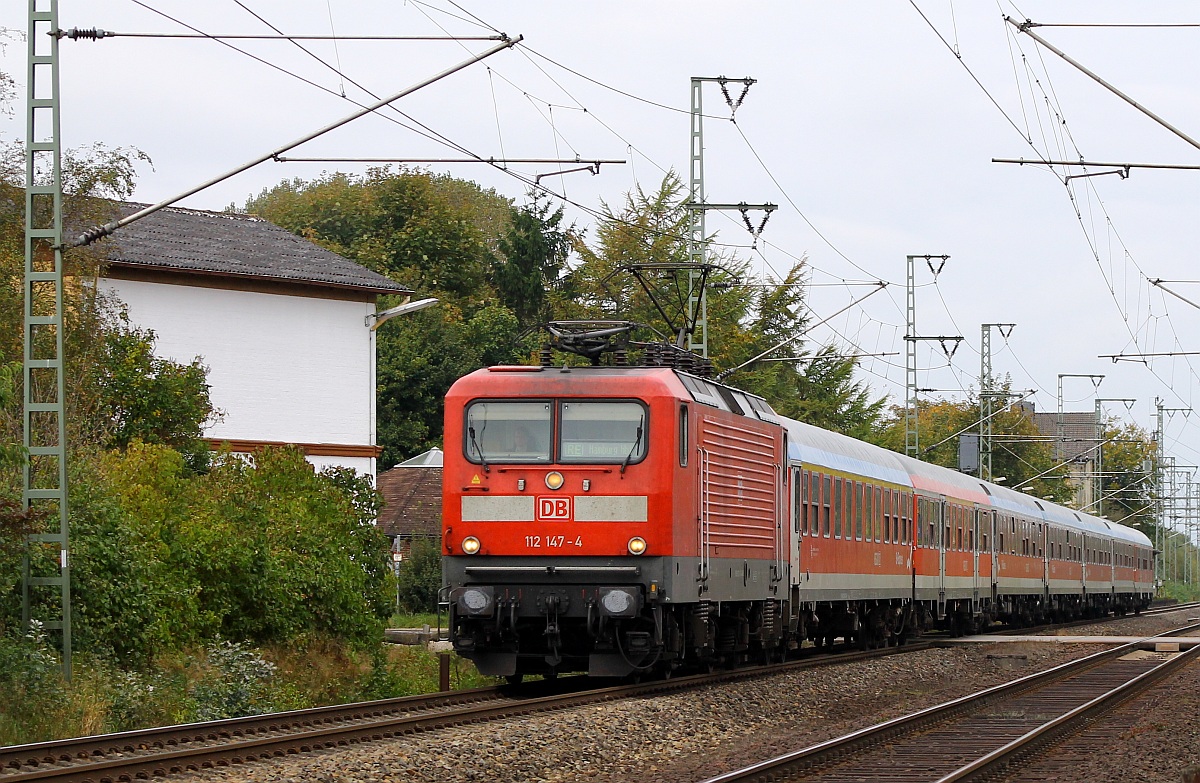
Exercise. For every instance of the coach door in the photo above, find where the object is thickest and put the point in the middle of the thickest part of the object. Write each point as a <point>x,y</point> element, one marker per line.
<point>992,525</point>
<point>940,539</point>
<point>977,520</point>
<point>800,501</point>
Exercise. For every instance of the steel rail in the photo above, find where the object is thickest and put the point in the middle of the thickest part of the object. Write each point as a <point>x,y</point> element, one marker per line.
<point>794,765</point>
<point>1068,723</point>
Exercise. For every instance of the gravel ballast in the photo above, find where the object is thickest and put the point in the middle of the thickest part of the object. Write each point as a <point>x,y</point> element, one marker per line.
<point>698,734</point>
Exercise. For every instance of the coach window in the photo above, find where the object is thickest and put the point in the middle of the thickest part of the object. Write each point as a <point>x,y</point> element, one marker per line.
<point>875,507</point>
<point>814,503</point>
<point>825,508</point>
<point>603,432</point>
<point>887,516</point>
<point>839,487</point>
<point>507,432</point>
<point>858,512</point>
<point>849,504</point>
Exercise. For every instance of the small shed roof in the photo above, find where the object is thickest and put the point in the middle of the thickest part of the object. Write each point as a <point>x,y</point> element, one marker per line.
<point>412,498</point>
<point>430,459</point>
<point>192,241</point>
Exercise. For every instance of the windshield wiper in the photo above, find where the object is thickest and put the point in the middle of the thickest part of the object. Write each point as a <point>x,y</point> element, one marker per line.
<point>637,440</point>
<point>478,450</point>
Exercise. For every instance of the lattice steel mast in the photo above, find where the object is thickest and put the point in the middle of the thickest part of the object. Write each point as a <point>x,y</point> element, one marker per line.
<point>697,336</point>
<point>45,474</point>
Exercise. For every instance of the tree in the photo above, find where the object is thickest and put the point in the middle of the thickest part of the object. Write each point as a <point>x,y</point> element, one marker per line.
<point>420,356</point>
<point>744,322</point>
<point>1019,452</point>
<point>533,254</point>
<point>1128,464</point>
<point>408,225</point>
<point>154,400</point>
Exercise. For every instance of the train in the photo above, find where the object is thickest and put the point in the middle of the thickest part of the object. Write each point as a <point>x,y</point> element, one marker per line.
<point>627,520</point>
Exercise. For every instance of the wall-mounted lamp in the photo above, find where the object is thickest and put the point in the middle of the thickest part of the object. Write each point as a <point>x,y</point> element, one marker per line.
<point>375,319</point>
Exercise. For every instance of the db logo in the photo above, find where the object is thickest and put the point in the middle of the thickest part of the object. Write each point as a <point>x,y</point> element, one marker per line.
<point>553,508</point>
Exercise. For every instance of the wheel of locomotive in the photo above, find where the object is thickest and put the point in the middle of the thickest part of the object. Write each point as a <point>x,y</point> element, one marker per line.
<point>514,679</point>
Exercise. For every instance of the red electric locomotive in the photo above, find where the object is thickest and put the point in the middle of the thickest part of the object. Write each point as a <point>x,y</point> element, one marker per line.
<point>622,519</point>
<point>576,537</point>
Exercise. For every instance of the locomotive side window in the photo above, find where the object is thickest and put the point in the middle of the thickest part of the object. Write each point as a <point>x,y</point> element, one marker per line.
<point>603,432</point>
<point>683,436</point>
<point>507,432</point>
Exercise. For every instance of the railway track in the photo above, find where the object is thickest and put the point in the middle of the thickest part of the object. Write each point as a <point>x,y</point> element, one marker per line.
<point>977,736</point>
<point>160,751</point>
<point>133,755</point>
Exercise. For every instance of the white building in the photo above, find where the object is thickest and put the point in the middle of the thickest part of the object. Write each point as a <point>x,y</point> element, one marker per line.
<point>281,323</point>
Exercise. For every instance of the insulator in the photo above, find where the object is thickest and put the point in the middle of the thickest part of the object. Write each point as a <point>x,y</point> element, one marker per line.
<point>88,34</point>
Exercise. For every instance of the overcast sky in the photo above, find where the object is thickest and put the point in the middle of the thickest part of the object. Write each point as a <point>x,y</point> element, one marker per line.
<point>866,129</point>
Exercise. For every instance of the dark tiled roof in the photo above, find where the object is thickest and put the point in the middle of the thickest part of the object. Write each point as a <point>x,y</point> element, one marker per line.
<point>1079,433</point>
<point>232,245</point>
<point>412,501</point>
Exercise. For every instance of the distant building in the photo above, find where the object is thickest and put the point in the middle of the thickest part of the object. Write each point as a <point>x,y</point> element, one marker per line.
<point>1075,445</point>
<point>280,322</point>
<point>412,501</point>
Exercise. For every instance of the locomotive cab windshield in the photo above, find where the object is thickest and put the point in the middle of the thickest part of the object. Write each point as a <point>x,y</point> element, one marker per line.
<point>508,432</point>
<point>608,431</point>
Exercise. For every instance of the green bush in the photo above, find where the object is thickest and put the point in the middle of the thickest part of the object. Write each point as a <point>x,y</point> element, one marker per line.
<point>420,577</point>
<point>262,550</point>
<point>30,680</point>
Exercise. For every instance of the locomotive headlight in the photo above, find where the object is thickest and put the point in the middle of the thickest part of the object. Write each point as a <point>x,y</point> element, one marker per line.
<point>470,545</point>
<point>618,602</point>
<point>637,545</point>
<point>554,479</point>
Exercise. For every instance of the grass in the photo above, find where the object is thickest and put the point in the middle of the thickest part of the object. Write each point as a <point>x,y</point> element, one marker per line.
<point>226,680</point>
<point>416,620</point>
<point>1180,591</point>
